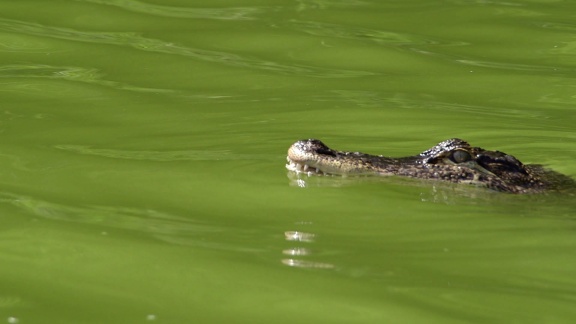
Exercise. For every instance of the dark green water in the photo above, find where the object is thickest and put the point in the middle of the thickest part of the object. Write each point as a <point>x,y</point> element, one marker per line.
<point>142,152</point>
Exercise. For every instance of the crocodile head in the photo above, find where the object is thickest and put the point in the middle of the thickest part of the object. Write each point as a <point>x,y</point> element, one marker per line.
<point>453,160</point>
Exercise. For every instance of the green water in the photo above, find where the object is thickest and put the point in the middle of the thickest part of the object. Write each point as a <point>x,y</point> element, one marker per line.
<point>142,152</point>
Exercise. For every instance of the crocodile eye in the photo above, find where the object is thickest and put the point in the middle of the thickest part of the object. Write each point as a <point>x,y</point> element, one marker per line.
<point>460,156</point>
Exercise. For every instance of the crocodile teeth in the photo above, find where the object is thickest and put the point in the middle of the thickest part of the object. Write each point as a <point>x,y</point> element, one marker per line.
<point>302,168</point>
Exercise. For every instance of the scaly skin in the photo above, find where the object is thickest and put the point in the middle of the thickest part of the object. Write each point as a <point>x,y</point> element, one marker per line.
<point>453,160</point>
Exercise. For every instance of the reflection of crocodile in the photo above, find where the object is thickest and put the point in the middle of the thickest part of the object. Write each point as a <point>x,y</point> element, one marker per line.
<point>453,160</point>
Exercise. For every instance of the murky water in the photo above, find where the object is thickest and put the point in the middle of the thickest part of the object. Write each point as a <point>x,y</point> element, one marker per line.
<point>143,145</point>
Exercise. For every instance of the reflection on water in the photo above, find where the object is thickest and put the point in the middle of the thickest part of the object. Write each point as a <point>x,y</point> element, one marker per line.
<point>12,320</point>
<point>297,253</point>
<point>302,180</point>
<point>427,191</point>
<point>299,236</point>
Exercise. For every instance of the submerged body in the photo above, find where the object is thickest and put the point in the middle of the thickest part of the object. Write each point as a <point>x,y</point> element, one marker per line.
<point>453,160</point>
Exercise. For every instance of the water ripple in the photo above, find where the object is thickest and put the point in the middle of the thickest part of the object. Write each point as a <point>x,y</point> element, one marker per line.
<point>516,67</point>
<point>495,65</point>
<point>414,43</point>
<point>15,44</point>
<point>238,13</point>
<point>139,42</point>
<point>363,34</point>
<point>159,156</point>
<point>326,4</point>
<point>10,301</point>
<point>126,218</point>
<point>167,227</point>
<point>68,73</point>
<point>409,101</point>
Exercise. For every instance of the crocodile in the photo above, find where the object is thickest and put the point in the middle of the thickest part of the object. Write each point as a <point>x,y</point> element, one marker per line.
<point>453,160</point>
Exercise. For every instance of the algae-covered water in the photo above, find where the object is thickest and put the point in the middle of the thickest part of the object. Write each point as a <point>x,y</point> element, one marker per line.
<point>143,144</point>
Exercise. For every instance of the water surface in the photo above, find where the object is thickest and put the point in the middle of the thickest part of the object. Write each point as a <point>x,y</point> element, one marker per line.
<point>143,147</point>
